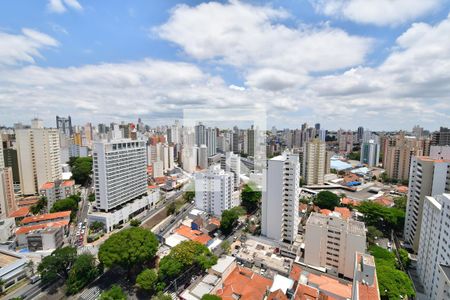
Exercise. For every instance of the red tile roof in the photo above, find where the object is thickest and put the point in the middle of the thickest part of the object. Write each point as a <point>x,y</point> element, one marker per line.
<point>47,186</point>
<point>348,201</point>
<point>26,229</point>
<point>68,183</point>
<point>47,217</point>
<point>193,235</point>
<point>296,270</point>
<point>325,211</point>
<point>20,213</point>
<point>214,221</point>
<point>305,292</point>
<point>245,284</point>
<point>344,211</point>
<point>331,285</point>
<point>277,295</point>
<point>384,201</point>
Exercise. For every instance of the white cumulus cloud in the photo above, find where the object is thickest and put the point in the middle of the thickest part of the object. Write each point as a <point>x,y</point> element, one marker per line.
<point>377,12</point>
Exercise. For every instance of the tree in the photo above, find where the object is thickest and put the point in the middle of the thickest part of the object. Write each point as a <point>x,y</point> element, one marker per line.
<point>161,296</point>
<point>384,218</point>
<point>40,206</point>
<point>91,197</point>
<point>225,246</point>
<point>404,257</point>
<point>188,196</point>
<point>147,279</point>
<point>210,297</point>
<point>114,293</point>
<point>327,200</point>
<point>135,222</point>
<point>70,203</point>
<point>81,169</point>
<point>183,256</point>
<point>250,198</point>
<point>392,282</point>
<point>373,234</point>
<point>57,264</point>
<point>400,202</point>
<point>171,208</point>
<point>229,217</point>
<point>96,226</point>
<point>83,272</point>
<point>355,155</point>
<point>128,248</point>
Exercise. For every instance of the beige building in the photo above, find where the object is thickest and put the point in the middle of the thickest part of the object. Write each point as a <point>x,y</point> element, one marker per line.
<point>397,155</point>
<point>331,242</point>
<point>7,198</point>
<point>315,162</point>
<point>39,156</point>
<point>428,177</point>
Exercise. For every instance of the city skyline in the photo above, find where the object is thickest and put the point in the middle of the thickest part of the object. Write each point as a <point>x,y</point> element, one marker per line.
<point>305,61</point>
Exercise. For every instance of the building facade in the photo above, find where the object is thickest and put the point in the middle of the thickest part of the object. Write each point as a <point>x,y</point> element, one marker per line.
<point>331,242</point>
<point>434,245</point>
<point>314,162</point>
<point>39,156</point>
<point>119,172</point>
<point>428,177</point>
<point>280,218</point>
<point>214,190</point>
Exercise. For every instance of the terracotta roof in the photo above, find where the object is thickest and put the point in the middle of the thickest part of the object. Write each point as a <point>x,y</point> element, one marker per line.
<point>328,284</point>
<point>67,183</point>
<point>348,201</point>
<point>344,211</point>
<point>305,292</point>
<point>19,213</point>
<point>325,211</point>
<point>214,221</point>
<point>245,284</point>
<point>277,295</point>
<point>303,207</point>
<point>402,189</point>
<point>384,201</point>
<point>193,235</point>
<point>47,185</point>
<point>26,229</point>
<point>47,217</point>
<point>296,270</point>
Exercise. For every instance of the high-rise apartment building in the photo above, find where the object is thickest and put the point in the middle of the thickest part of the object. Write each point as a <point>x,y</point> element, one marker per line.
<point>360,134</point>
<point>231,162</point>
<point>10,160</point>
<point>397,155</point>
<point>314,162</point>
<point>370,152</point>
<point>211,141</point>
<point>2,161</point>
<point>331,242</point>
<point>120,172</point>
<point>214,190</point>
<point>428,177</point>
<point>434,246</point>
<point>441,137</point>
<point>280,218</point>
<point>252,139</point>
<point>200,134</point>
<point>345,140</point>
<point>7,198</point>
<point>202,157</point>
<point>64,125</point>
<point>38,155</point>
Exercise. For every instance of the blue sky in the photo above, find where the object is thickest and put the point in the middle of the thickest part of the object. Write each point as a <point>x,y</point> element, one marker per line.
<point>343,63</point>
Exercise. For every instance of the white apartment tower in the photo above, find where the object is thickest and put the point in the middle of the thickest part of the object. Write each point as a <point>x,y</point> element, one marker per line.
<point>434,246</point>
<point>331,242</point>
<point>120,172</point>
<point>38,155</point>
<point>231,162</point>
<point>428,177</point>
<point>315,162</point>
<point>214,190</point>
<point>280,198</point>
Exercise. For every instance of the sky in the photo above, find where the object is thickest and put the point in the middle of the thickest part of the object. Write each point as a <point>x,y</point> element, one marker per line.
<point>382,64</point>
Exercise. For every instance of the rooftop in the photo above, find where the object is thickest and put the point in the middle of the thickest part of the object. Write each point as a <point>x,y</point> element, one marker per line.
<point>27,229</point>
<point>244,284</point>
<point>47,217</point>
<point>193,235</point>
<point>7,258</point>
<point>20,213</point>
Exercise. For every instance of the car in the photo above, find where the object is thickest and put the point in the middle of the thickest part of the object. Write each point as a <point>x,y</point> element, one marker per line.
<point>35,279</point>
